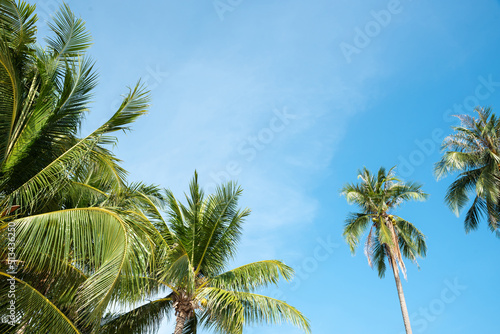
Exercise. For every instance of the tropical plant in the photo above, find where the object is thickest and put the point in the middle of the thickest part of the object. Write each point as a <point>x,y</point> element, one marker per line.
<point>71,240</point>
<point>390,237</point>
<point>199,239</point>
<point>474,152</point>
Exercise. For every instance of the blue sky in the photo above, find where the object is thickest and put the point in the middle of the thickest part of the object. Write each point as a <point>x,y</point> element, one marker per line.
<point>290,99</point>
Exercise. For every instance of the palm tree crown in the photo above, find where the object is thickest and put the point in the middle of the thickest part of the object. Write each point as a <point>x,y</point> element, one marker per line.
<point>474,152</point>
<point>199,239</point>
<point>390,235</point>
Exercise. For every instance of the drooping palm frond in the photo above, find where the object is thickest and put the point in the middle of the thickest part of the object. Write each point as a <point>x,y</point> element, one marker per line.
<point>95,237</point>
<point>145,319</point>
<point>31,309</point>
<point>234,309</point>
<point>379,257</point>
<point>355,227</point>
<point>457,195</point>
<point>411,240</point>
<point>191,326</point>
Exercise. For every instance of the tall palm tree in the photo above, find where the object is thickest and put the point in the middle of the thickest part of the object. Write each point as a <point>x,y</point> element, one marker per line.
<point>62,230</point>
<point>390,237</point>
<point>474,152</point>
<point>199,239</point>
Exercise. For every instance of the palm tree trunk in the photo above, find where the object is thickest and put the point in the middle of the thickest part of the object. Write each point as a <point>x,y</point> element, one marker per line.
<point>401,296</point>
<point>180,321</point>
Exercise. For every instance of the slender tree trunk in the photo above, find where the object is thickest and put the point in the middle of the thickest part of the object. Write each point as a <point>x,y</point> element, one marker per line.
<point>180,321</point>
<point>401,296</point>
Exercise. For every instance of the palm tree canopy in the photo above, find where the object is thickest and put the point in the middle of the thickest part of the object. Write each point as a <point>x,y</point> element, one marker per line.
<point>473,151</point>
<point>199,239</point>
<point>77,230</point>
<point>389,235</point>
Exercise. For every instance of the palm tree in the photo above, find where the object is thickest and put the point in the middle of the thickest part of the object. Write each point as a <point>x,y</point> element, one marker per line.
<point>390,236</point>
<point>474,151</point>
<point>68,235</point>
<point>199,239</point>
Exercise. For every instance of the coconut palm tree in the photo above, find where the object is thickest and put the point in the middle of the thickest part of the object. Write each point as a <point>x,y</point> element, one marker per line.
<point>474,152</point>
<point>390,237</point>
<point>67,235</point>
<point>199,239</point>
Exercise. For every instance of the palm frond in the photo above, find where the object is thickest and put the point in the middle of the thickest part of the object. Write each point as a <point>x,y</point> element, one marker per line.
<point>95,237</point>
<point>356,225</point>
<point>221,210</point>
<point>145,319</point>
<point>17,22</point>
<point>71,37</point>
<point>457,195</point>
<point>32,309</point>
<point>238,308</point>
<point>252,276</point>
<point>56,175</point>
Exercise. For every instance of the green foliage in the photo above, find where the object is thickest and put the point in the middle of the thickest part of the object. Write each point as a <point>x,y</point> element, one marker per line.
<point>144,319</point>
<point>82,233</point>
<point>473,152</point>
<point>200,238</point>
<point>389,235</point>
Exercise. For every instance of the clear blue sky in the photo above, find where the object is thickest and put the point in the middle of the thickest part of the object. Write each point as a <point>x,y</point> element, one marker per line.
<point>290,98</point>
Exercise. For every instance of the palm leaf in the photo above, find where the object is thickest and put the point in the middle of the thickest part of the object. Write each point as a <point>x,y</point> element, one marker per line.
<point>32,309</point>
<point>252,276</point>
<point>144,319</point>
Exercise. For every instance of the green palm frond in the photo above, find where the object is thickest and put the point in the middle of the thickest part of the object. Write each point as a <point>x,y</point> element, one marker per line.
<point>379,257</point>
<point>458,192</point>
<point>409,191</point>
<point>356,225</point>
<point>93,237</point>
<point>411,240</point>
<point>71,37</point>
<point>221,210</point>
<point>10,99</point>
<point>145,319</point>
<point>252,276</point>
<point>175,217</point>
<point>233,309</point>
<point>191,325</point>
<point>474,214</point>
<point>385,236</point>
<point>179,271</point>
<point>32,309</point>
<point>17,23</point>
<point>55,176</point>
